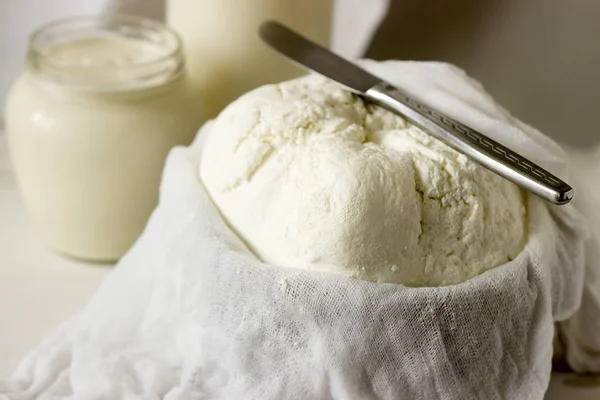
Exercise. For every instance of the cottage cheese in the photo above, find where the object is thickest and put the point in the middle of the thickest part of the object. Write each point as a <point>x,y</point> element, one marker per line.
<point>310,176</point>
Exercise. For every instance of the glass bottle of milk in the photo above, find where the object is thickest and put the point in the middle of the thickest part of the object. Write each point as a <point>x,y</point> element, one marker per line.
<point>226,57</point>
<point>90,123</point>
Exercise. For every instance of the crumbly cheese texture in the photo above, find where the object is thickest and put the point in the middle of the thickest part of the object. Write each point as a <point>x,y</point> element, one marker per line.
<point>311,176</point>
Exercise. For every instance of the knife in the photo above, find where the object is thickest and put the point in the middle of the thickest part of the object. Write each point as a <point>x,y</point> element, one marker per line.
<point>481,149</point>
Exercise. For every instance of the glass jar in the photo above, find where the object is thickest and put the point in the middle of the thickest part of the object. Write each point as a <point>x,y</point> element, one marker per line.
<point>226,57</point>
<point>89,126</point>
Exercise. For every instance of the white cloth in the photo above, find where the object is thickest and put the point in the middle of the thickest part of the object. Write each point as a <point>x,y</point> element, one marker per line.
<point>354,24</point>
<point>189,312</point>
<point>580,334</point>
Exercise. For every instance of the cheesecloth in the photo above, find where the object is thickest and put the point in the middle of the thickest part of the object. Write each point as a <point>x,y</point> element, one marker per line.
<point>190,313</point>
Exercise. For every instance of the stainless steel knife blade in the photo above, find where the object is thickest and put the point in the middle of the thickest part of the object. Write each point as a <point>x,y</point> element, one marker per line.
<point>310,55</point>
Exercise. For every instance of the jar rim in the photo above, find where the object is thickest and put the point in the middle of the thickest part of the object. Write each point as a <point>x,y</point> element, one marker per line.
<point>37,42</point>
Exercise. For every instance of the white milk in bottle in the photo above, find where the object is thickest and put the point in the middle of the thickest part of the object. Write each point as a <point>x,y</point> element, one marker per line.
<point>226,58</point>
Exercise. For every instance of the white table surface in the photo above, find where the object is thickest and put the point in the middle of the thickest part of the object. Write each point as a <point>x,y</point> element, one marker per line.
<point>39,289</point>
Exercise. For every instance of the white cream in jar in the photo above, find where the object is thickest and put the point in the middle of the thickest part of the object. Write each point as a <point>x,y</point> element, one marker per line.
<point>90,124</point>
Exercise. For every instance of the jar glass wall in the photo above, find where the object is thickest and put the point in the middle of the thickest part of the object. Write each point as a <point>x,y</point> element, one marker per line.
<point>90,123</point>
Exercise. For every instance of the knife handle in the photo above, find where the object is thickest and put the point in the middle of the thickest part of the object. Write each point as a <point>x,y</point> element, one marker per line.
<point>483,150</point>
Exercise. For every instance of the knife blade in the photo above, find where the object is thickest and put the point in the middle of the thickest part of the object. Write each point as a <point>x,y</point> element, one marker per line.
<point>475,145</point>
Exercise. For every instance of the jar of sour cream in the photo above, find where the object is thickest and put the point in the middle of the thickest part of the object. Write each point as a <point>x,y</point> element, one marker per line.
<point>89,125</point>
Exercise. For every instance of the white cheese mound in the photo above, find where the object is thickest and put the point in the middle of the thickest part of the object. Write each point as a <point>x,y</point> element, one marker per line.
<point>310,176</point>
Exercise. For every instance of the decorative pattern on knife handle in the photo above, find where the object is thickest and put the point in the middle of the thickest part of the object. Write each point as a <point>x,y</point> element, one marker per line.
<point>493,147</point>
